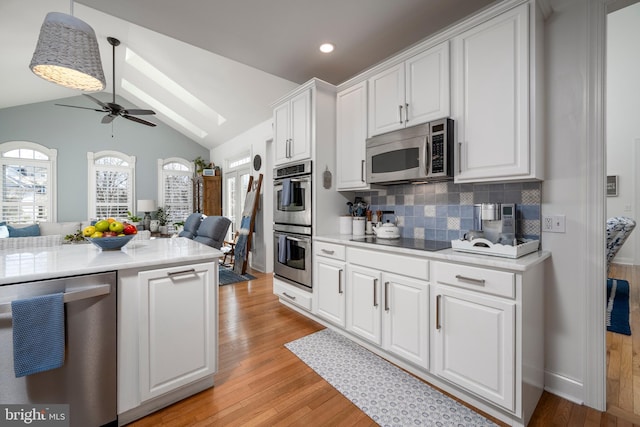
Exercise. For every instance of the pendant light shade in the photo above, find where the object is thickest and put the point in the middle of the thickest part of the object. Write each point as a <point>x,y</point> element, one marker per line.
<point>67,54</point>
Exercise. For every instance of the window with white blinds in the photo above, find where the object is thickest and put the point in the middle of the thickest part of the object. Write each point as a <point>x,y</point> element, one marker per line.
<point>175,180</point>
<point>27,182</point>
<point>111,184</point>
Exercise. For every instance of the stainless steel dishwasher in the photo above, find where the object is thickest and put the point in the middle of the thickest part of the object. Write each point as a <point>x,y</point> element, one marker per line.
<point>87,381</point>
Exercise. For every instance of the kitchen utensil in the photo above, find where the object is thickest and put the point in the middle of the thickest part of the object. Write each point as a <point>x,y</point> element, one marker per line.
<point>358,225</point>
<point>387,231</point>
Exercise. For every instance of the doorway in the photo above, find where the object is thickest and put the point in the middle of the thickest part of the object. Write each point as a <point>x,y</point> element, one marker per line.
<point>623,151</point>
<point>235,181</point>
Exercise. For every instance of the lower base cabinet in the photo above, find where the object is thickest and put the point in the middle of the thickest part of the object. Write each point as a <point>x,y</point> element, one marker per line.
<point>167,335</point>
<point>474,343</point>
<point>330,290</point>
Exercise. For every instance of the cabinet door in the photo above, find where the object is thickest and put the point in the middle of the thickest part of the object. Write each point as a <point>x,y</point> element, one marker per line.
<point>329,287</point>
<point>212,191</point>
<point>351,136</point>
<point>178,327</point>
<point>427,85</point>
<point>386,100</point>
<point>300,145</point>
<point>364,303</point>
<point>492,111</point>
<point>281,132</point>
<point>406,318</point>
<point>475,343</point>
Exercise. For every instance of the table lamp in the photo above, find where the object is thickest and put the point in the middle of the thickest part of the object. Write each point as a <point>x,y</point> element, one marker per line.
<point>146,206</point>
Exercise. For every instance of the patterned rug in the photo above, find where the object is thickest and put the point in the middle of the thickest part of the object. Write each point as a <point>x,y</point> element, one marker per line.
<point>618,306</point>
<point>227,276</point>
<point>387,394</point>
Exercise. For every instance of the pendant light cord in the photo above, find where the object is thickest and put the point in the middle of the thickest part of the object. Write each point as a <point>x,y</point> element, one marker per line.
<point>71,6</point>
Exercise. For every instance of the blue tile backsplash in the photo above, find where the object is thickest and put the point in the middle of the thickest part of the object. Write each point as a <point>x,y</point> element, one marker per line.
<point>444,210</point>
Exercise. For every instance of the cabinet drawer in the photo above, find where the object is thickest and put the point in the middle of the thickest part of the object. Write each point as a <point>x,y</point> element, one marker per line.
<point>405,265</point>
<point>292,294</point>
<point>478,279</point>
<point>329,250</point>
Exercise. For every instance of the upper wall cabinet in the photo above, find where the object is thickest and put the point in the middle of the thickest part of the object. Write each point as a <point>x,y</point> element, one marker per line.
<point>292,128</point>
<point>351,136</point>
<point>495,66</point>
<point>412,92</point>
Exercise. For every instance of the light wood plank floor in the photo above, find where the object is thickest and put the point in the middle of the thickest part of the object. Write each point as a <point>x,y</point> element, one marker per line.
<point>623,353</point>
<point>260,383</point>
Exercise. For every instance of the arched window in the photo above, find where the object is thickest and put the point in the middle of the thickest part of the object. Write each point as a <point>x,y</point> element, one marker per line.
<point>28,182</point>
<point>111,184</point>
<point>175,189</point>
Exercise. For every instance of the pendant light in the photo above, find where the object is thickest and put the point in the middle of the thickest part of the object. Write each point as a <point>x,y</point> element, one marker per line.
<point>67,53</point>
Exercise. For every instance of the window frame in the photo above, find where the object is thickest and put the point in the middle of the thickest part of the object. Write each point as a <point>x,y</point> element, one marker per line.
<point>51,164</point>
<point>92,168</point>
<point>163,173</point>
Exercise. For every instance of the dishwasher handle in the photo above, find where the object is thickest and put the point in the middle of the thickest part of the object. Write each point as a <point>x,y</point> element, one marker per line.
<point>75,295</point>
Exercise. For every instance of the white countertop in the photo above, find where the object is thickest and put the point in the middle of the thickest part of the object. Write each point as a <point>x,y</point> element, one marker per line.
<point>30,264</point>
<point>519,264</point>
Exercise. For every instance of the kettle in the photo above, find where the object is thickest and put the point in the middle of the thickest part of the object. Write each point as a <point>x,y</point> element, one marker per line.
<point>387,231</point>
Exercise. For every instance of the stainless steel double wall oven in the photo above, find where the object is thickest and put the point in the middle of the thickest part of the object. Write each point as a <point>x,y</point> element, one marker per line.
<point>292,224</point>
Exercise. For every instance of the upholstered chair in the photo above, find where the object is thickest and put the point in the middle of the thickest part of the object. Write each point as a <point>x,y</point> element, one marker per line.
<point>212,231</point>
<point>191,225</point>
<point>618,229</point>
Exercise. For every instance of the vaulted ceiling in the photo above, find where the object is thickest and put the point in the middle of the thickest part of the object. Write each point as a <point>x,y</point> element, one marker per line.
<point>211,68</point>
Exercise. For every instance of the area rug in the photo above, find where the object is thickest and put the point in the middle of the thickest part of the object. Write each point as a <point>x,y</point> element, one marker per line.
<point>227,276</point>
<point>387,394</point>
<point>618,306</point>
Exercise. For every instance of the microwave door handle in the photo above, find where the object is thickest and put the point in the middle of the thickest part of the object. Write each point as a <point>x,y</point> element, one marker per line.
<point>427,156</point>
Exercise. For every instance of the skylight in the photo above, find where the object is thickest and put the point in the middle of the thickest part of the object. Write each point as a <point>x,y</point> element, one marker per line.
<point>183,95</point>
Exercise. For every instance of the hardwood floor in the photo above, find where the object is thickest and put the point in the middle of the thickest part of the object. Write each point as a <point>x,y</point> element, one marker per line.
<point>623,353</point>
<point>261,383</point>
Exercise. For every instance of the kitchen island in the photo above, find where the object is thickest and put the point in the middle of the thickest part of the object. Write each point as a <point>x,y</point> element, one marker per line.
<point>167,294</point>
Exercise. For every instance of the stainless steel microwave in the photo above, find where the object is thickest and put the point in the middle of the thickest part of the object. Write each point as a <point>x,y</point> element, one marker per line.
<point>418,153</point>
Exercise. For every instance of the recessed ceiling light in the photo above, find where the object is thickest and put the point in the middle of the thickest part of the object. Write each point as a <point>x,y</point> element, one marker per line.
<point>326,47</point>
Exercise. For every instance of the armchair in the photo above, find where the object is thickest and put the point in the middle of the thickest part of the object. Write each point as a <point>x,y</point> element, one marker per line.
<point>618,229</point>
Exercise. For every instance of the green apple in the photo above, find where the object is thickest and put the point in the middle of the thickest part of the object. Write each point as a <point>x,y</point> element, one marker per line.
<point>102,225</point>
<point>116,226</point>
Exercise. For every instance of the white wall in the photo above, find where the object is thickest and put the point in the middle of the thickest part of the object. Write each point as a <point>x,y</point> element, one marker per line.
<point>623,124</point>
<point>255,140</point>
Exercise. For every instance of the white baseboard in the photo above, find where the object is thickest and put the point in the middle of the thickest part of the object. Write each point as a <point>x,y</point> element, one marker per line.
<point>564,387</point>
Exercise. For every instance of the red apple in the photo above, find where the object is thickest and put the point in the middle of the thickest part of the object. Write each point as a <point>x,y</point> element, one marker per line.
<point>109,234</point>
<point>130,229</point>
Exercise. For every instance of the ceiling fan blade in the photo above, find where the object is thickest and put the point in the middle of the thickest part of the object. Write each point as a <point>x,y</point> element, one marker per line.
<point>83,108</point>
<point>139,112</point>
<point>97,101</point>
<point>135,119</point>
<point>108,118</point>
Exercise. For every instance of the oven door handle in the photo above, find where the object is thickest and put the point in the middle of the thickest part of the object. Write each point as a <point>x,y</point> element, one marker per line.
<point>295,239</point>
<point>279,182</point>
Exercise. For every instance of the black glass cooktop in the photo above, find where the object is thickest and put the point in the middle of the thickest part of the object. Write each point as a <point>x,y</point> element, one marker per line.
<point>405,242</point>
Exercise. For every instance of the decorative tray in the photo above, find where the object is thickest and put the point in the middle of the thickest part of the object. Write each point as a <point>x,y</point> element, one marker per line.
<point>485,247</point>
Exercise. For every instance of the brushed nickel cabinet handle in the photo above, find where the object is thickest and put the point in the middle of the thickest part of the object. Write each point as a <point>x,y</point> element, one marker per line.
<point>375,292</point>
<point>362,170</point>
<point>438,325</point>
<point>289,296</point>
<point>340,281</point>
<point>327,251</point>
<point>459,157</point>
<point>386,296</point>
<point>406,113</point>
<point>181,272</point>
<point>470,280</point>
<point>400,110</point>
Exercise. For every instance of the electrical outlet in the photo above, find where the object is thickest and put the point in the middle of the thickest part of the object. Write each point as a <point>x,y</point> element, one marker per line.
<point>554,223</point>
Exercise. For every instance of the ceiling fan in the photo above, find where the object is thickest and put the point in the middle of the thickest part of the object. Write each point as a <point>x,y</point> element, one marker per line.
<point>112,109</point>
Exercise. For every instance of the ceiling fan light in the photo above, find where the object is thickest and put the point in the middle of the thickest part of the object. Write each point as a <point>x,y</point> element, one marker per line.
<point>67,54</point>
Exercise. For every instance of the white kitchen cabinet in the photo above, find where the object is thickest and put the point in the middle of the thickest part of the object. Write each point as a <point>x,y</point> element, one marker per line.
<point>406,318</point>
<point>495,69</point>
<point>364,316</point>
<point>410,93</point>
<point>178,327</point>
<point>292,128</point>
<point>329,283</point>
<point>475,343</point>
<point>351,136</point>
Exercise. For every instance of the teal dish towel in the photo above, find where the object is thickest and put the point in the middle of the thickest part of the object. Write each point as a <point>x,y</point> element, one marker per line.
<point>38,334</point>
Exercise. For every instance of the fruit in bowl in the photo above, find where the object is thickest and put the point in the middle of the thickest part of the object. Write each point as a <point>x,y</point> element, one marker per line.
<point>110,234</point>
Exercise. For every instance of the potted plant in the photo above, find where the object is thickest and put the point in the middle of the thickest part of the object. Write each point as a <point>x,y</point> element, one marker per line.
<point>162,217</point>
<point>179,226</point>
<point>133,219</point>
<point>200,164</point>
